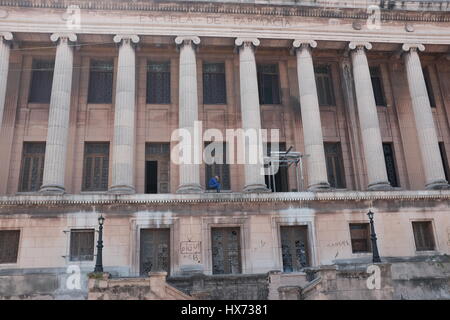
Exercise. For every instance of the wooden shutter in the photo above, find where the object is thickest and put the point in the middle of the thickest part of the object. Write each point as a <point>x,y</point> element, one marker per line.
<point>219,169</point>
<point>335,165</point>
<point>324,85</point>
<point>268,84</point>
<point>444,160</point>
<point>96,166</point>
<point>423,235</point>
<point>360,237</point>
<point>154,251</point>
<point>41,81</point>
<point>82,245</point>
<point>294,248</point>
<point>214,84</point>
<point>9,245</point>
<point>32,170</point>
<point>226,250</point>
<point>377,85</point>
<point>426,75</point>
<point>101,82</point>
<point>160,152</point>
<point>391,169</point>
<point>158,83</point>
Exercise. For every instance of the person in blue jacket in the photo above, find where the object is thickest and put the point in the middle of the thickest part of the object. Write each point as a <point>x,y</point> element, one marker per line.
<point>214,183</point>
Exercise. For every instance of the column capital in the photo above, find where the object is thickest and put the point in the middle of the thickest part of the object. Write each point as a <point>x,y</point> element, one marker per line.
<point>359,45</point>
<point>252,42</point>
<point>126,38</point>
<point>299,43</point>
<point>7,36</point>
<point>72,37</point>
<point>413,47</point>
<point>187,40</point>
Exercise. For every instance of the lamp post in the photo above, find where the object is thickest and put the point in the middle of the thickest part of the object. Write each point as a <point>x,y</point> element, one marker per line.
<point>373,238</point>
<point>99,260</point>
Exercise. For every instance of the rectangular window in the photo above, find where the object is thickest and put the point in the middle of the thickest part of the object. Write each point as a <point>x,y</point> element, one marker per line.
<point>391,168</point>
<point>226,250</point>
<point>214,85</point>
<point>268,84</point>
<point>41,81</point>
<point>360,237</point>
<point>324,83</point>
<point>32,169</point>
<point>9,245</point>
<point>426,75</point>
<point>423,235</point>
<point>294,248</point>
<point>155,251</point>
<point>157,167</point>
<point>335,165</point>
<point>218,165</point>
<point>444,159</point>
<point>82,244</point>
<point>101,82</point>
<point>377,85</point>
<point>96,166</point>
<point>158,82</point>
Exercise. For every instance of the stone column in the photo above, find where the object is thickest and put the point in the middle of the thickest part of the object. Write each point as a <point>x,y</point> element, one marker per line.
<point>368,118</point>
<point>189,168</point>
<point>58,119</point>
<point>250,112</point>
<point>426,131</point>
<point>312,127</point>
<point>5,37</point>
<point>124,117</point>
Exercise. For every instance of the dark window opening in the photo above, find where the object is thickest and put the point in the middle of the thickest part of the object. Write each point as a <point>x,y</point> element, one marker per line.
<point>226,250</point>
<point>360,237</point>
<point>423,235</point>
<point>391,168</point>
<point>157,168</point>
<point>82,245</point>
<point>426,76</point>
<point>294,248</point>
<point>158,83</point>
<point>335,165</point>
<point>154,251</point>
<point>41,81</point>
<point>324,82</point>
<point>32,170</point>
<point>101,82</point>
<point>279,183</point>
<point>96,166</point>
<point>268,84</point>
<point>9,245</point>
<point>444,159</point>
<point>377,85</point>
<point>218,165</point>
<point>214,83</point>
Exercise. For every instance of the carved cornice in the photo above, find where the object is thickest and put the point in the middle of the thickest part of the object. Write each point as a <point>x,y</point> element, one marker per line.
<point>299,9</point>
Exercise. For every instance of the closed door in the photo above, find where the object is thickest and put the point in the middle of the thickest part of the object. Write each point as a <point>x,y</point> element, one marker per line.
<point>155,251</point>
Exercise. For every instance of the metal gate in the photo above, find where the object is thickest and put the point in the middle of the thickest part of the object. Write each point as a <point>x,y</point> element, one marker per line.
<point>155,251</point>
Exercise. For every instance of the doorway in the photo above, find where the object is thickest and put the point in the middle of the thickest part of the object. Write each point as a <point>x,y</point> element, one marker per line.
<point>151,176</point>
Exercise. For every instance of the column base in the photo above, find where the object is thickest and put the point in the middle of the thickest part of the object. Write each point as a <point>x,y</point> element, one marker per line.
<point>380,186</point>
<point>52,189</point>
<point>122,189</point>
<point>438,185</point>
<point>256,188</point>
<point>318,187</point>
<point>190,188</point>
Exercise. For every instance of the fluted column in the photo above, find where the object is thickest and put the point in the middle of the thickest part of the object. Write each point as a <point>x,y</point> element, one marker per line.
<point>124,117</point>
<point>250,112</point>
<point>189,169</point>
<point>5,38</point>
<point>368,118</point>
<point>312,127</point>
<point>426,131</point>
<point>58,120</point>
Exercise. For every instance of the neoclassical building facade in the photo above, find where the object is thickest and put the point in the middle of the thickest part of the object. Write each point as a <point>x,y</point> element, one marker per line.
<point>91,93</point>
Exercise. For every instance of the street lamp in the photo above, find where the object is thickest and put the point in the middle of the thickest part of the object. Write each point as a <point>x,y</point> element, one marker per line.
<point>373,238</point>
<point>99,261</point>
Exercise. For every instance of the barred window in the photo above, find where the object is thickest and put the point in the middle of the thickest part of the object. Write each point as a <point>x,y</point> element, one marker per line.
<point>423,235</point>
<point>82,244</point>
<point>32,170</point>
<point>101,81</point>
<point>294,248</point>
<point>426,76</point>
<point>335,164</point>
<point>214,85</point>
<point>268,84</point>
<point>41,81</point>
<point>360,237</point>
<point>219,166</point>
<point>324,83</point>
<point>96,166</point>
<point>226,250</point>
<point>155,251</point>
<point>391,167</point>
<point>158,83</point>
<point>377,85</point>
<point>9,245</point>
